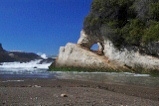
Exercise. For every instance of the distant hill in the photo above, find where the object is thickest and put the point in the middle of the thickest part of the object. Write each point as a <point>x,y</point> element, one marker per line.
<point>7,56</point>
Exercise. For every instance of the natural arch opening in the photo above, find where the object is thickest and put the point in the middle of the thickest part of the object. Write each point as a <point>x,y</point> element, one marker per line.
<point>94,47</point>
<point>97,48</point>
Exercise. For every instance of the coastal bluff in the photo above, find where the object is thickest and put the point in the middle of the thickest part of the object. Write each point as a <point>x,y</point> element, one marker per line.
<point>106,57</point>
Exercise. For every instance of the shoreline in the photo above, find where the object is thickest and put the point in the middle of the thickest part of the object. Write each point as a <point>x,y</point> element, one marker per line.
<point>151,72</point>
<point>48,92</point>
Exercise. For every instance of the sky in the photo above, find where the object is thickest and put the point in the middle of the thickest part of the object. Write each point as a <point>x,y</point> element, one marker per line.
<point>41,26</point>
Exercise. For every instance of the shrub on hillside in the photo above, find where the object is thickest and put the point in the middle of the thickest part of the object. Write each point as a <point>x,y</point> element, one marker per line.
<point>132,22</point>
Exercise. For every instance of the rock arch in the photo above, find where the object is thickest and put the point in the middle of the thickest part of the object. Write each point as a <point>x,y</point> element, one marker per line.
<point>88,41</point>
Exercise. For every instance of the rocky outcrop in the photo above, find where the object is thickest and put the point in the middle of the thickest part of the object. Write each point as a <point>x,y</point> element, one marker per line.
<point>23,56</point>
<point>88,42</point>
<point>1,48</point>
<point>6,56</point>
<point>74,55</point>
<point>80,55</point>
<point>126,32</point>
<point>130,57</point>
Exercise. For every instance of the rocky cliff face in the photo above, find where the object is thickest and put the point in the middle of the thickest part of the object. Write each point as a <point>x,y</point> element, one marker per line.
<point>130,57</point>
<point>80,55</point>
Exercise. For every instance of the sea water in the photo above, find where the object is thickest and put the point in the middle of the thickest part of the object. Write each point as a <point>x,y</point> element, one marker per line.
<point>34,70</point>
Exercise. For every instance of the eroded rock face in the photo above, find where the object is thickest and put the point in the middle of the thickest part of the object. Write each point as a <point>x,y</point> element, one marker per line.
<point>130,57</point>
<point>87,41</point>
<point>73,55</point>
<point>80,55</point>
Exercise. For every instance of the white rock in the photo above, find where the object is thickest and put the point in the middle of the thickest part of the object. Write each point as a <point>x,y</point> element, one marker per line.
<point>63,95</point>
<point>75,55</point>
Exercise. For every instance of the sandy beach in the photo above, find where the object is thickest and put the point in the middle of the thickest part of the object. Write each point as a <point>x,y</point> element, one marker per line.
<point>57,92</point>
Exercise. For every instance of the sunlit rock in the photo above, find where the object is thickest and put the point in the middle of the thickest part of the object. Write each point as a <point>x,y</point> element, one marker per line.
<point>80,55</point>
<point>130,58</point>
<point>73,55</point>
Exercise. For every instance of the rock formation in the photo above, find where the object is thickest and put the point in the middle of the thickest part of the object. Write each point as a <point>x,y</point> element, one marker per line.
<point>74,55</point>
<point>126,32</point>
<point>6,56</point>
<point>1,48</point>
<point>80,55</point>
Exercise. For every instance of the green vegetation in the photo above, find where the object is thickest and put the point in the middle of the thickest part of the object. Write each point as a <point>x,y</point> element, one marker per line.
<point>154,73</point>
<point>139,70</point>
<point>81,69</point>
<point>151,33</point>
<point>132,22</point>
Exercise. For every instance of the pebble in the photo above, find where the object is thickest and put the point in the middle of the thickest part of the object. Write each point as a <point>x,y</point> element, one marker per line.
<point>37,86</point>
<point>63,95</point>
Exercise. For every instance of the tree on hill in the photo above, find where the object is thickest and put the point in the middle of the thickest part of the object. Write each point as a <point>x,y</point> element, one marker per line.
<point>133,22</point>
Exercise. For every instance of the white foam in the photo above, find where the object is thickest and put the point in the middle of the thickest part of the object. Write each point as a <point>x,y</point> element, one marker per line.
<point>42,55</point>
<point>141,75</point>
<point>13,81</point>
<point>25,65</point>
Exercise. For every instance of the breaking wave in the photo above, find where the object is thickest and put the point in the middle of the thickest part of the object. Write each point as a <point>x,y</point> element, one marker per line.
<point>32,69</point>
<point>42,55</point>
<point>32,65</point>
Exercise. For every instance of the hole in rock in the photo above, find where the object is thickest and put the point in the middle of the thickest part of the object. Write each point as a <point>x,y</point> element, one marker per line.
<point>94,47</point>
<point>97,48</point>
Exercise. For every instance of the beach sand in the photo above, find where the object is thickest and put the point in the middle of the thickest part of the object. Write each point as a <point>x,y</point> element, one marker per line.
<point>57,92</point>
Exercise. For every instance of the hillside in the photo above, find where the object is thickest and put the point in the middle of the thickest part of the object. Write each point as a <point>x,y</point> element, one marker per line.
<point>6,56</point>
<point>125,23</point>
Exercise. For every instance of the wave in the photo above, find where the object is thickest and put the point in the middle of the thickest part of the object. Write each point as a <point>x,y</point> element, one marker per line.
<point>42,55</point>
<point>32,65</point>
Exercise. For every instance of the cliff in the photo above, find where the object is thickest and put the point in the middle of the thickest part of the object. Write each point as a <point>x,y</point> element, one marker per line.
<point>127,59</point>
<point>126,32</point>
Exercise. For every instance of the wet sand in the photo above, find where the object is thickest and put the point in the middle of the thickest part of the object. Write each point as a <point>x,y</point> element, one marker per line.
<point>47,92</point>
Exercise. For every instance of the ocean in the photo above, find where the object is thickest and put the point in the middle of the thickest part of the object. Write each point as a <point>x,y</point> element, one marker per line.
<point>34,70</point>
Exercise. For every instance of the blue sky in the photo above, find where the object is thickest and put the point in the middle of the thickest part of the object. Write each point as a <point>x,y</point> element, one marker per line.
<point>41,25</point>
